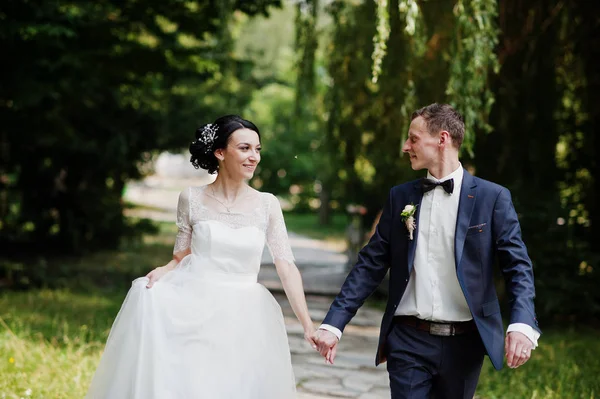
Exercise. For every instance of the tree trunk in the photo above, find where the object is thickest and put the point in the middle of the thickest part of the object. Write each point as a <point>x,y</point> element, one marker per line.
<point>325,209</point>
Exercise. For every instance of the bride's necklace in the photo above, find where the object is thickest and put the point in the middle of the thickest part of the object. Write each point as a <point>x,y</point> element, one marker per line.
<point>227,207</point>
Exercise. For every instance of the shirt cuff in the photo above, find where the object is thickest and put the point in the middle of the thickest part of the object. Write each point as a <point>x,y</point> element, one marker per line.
<point>526,330</point>
<point>331,329</point>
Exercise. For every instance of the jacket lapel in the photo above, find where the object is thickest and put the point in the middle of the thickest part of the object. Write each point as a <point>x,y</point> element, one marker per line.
<point>415,197</point>
<point>468,195</point>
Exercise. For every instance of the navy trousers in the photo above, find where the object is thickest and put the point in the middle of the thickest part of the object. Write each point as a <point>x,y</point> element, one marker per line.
<point>425,366</point>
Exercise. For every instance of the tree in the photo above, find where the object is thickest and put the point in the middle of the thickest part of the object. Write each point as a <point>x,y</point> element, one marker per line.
<point>91,90</point>
<point>390,58</point>
<point>523,75</point>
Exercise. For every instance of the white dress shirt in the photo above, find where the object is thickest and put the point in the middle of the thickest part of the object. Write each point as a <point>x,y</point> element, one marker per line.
<point>433,291</point>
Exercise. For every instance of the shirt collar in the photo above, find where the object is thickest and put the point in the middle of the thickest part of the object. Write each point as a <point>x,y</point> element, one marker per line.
<point>457,175</point>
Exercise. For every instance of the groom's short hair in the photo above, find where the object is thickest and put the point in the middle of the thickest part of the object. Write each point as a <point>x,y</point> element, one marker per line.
<point>440,117</point>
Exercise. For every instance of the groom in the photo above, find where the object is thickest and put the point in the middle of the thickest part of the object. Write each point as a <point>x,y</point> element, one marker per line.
<point>442,314</point>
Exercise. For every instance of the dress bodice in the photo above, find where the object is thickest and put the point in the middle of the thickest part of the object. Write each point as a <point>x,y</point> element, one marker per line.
<point>230,242</point>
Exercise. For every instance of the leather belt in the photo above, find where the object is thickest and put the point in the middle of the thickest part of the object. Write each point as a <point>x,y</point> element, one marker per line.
<point>435,328</point>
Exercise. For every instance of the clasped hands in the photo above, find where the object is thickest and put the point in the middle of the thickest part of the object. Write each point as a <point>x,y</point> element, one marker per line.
<point>325,342</point>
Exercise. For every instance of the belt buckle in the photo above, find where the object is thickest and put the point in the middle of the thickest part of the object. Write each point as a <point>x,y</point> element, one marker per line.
<point>443,330</point>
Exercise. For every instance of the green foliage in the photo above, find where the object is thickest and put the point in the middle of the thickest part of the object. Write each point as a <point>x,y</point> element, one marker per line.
<point>471,52</point>
<point>364,127</point>
<point>91,92</point>
<point>94,90</point>
<point>287,106</point>
<point>523,78</point>
<point>308,224</point>
<point>288,158</point>
<point>473,57</point>
<point>541,148</point>
<point>558,368</point>
<point>109,269</point>
<point>380,40</point>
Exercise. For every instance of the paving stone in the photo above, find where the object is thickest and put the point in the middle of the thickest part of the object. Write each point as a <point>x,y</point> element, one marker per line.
<point>328,387</point>
<point>305,395</point>
<point>357,384</point>
<point>299,346</point>
<point>376,394</point>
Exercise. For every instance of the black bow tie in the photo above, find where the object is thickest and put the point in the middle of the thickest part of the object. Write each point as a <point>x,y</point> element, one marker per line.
<point>428,185</point>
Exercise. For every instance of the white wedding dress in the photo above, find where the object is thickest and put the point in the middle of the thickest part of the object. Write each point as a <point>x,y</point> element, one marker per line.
<point>207,329</point>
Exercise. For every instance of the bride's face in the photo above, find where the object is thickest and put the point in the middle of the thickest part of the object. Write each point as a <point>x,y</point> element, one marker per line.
<point>242,154</point>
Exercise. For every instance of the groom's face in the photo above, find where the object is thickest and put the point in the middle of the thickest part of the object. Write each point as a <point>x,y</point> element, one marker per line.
<point>421,146</point>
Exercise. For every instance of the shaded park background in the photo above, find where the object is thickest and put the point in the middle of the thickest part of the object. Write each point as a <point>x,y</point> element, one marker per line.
<point>93,92</point>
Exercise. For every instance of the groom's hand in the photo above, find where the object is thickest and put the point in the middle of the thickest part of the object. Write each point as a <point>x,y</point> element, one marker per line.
<point>326,344</point>
<point>518,349</point>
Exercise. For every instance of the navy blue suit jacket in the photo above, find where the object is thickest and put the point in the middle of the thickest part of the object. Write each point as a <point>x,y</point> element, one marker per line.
<point>486,226</point>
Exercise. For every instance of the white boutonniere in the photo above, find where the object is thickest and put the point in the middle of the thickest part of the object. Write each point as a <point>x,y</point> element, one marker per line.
<point>409,219</point>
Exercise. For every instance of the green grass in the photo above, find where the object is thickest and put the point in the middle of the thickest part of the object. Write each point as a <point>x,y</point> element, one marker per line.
<point>308,224</point>
<point>565,365</point>
<point>51,339</point>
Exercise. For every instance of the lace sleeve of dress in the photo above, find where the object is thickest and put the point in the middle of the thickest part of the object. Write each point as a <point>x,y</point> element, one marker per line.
<point>277,236</point>
<point>184,233</point>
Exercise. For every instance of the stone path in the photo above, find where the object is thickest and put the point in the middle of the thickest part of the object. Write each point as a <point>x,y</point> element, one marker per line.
<point>354,374</point>
<point>323,270</point>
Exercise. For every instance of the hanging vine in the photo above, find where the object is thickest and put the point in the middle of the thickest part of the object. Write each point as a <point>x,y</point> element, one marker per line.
<point>410,10</point>
<point>306,48</point>
<point>473,57</point>
<point>381,38</point>
<point>416,33</point>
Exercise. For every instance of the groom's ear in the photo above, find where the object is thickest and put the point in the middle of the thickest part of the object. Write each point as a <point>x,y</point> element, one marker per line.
<point>444,139</point>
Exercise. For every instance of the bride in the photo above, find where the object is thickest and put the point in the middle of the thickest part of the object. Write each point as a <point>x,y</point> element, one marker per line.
<point>201,326</point>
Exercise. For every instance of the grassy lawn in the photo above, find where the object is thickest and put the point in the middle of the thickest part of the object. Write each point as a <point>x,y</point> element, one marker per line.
<point>565,365</point>
<point>308,224</point>
<point>51,339</point>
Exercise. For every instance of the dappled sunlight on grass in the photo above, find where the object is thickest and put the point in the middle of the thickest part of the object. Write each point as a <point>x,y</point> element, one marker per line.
<point>565,365</point>
<point>44,369</point>
<point>51,341</point>
<point>59,316</point>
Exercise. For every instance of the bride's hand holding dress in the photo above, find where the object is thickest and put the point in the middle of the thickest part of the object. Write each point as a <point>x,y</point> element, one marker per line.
<point>157,274</point>
<point>160,271</point>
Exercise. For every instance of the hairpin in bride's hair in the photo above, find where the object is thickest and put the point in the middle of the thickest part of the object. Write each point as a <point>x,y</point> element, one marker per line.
<point>207,136</point>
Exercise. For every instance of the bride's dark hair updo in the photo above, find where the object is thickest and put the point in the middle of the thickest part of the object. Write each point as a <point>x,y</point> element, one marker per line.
<point>214,136</point>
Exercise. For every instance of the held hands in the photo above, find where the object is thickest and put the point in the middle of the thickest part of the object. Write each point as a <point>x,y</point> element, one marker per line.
<point>518,349</point>
<point>156,275</point>
<point>309,336</point>
<point>326,342</point>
